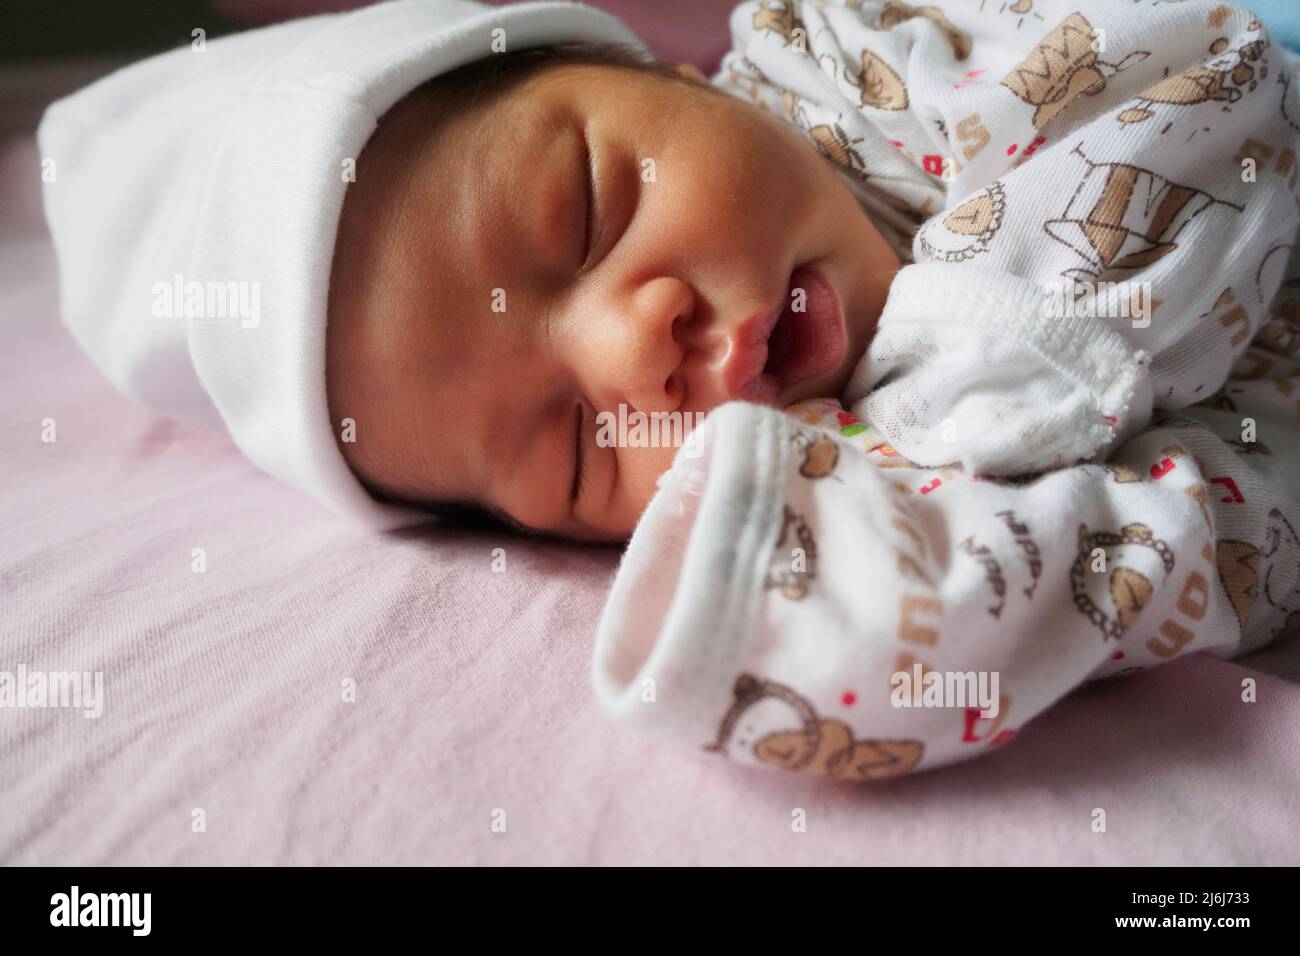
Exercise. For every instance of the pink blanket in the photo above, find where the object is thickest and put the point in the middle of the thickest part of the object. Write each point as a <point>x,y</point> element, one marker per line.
<point>320,695</point>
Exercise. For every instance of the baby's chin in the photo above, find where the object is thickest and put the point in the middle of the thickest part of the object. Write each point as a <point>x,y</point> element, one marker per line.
<point>831,387</point>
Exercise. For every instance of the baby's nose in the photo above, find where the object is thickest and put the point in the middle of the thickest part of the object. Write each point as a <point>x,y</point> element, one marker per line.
<point>650,376</point>
<point>657,341</point>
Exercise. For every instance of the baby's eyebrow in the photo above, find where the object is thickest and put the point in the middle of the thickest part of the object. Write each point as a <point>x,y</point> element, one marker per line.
<point>509,187</point>
<point>510,447</point>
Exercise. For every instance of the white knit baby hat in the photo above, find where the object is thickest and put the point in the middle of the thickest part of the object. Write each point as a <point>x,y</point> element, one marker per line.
<point>196,198</point>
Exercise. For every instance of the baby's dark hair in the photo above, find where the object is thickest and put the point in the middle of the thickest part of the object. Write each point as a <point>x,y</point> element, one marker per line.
<point>481,79</point>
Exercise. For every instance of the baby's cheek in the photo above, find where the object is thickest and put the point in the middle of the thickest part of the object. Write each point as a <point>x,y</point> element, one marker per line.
<point>637,477</point>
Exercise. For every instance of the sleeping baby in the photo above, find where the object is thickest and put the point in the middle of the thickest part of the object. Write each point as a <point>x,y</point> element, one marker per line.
<point>931,360</point>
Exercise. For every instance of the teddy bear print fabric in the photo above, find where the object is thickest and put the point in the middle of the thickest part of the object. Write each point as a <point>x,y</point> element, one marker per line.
<point>797,578</point>
<point>1095,200</point>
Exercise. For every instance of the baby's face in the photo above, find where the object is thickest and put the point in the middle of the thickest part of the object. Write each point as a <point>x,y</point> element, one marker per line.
<point>594,238</point>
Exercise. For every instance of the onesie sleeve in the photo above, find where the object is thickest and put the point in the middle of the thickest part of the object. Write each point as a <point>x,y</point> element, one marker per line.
<point>1107,201</point>
<point>799,596</point>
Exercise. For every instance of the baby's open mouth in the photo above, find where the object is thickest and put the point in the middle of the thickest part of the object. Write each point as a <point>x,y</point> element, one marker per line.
<point>801,342</point>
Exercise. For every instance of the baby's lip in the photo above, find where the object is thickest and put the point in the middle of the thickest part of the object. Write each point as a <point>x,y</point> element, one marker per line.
<point>780,349</point>
<point>742,376</point>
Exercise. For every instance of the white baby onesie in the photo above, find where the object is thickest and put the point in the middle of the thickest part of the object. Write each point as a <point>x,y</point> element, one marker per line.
<point>801,593</point>
<point>1148,146</point>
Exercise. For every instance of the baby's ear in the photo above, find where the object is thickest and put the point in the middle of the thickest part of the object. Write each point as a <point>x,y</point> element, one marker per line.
<point>689,71</point>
